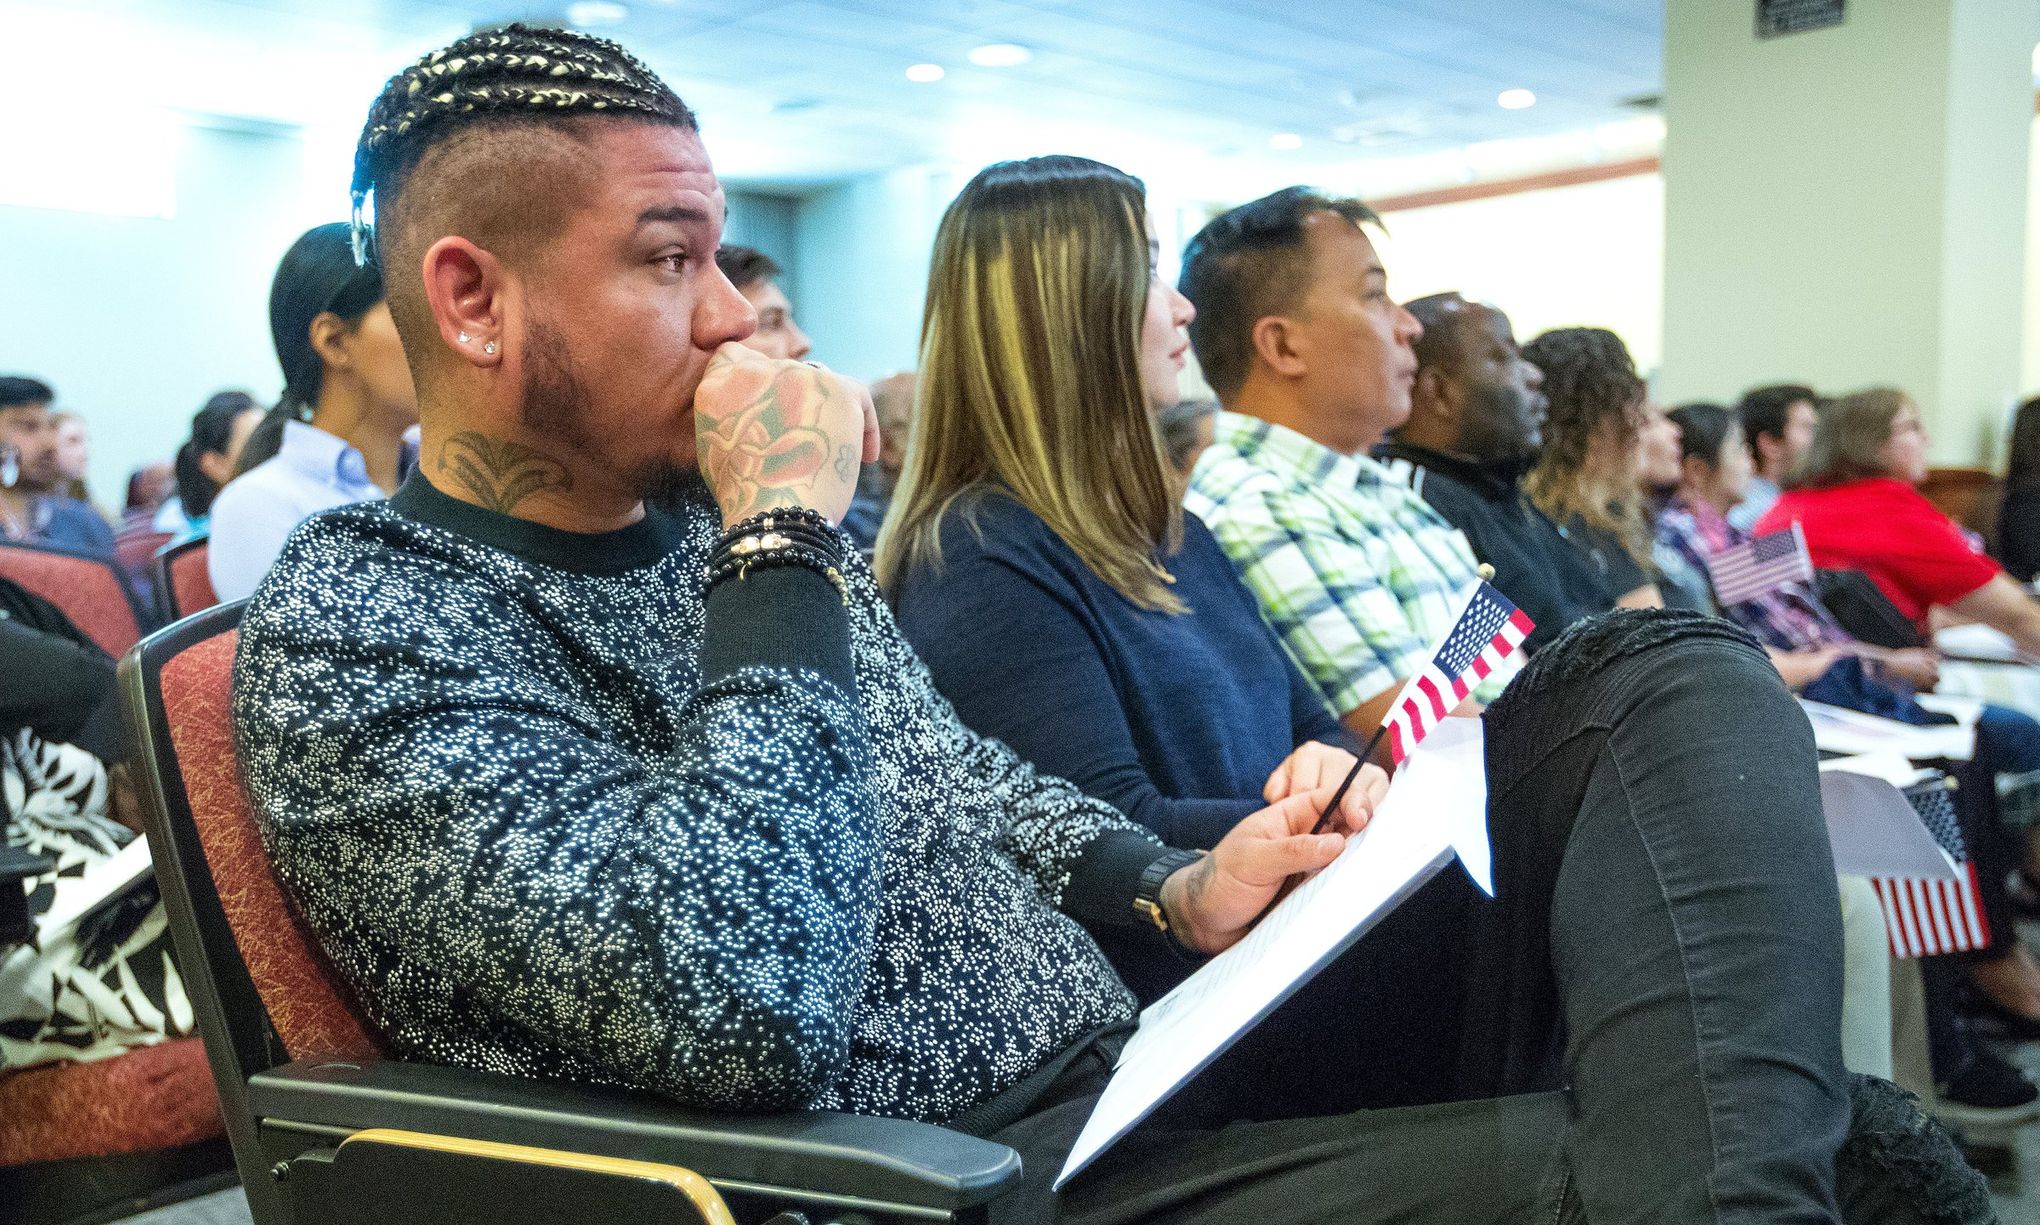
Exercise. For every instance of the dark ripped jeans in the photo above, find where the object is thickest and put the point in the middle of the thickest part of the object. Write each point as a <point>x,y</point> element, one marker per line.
<point>1643,1025</point>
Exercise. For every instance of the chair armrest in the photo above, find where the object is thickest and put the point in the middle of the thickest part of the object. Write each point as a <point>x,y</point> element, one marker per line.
<point>889,1161</point>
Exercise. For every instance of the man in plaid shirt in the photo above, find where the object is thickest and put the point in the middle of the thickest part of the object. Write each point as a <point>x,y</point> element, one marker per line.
<point>1313,362</point>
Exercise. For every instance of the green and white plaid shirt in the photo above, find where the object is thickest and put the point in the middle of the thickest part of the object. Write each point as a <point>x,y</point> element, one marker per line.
<point>1358,575</point>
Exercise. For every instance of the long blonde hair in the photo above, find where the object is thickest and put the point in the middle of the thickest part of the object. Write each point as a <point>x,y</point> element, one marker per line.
<point>1030,377</point>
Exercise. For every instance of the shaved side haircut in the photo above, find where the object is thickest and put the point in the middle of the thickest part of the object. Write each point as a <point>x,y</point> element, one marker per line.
<point>488,138</point>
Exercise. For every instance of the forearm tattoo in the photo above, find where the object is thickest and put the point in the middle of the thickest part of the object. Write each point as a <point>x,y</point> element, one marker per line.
<point>500,473</point>
<point>770,452</point>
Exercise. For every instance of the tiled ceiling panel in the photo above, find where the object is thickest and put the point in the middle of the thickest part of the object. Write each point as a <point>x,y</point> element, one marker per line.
<point>815,89</point>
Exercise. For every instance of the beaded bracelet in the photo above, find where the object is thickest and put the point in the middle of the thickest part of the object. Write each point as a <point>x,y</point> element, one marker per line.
<point>780,537</point>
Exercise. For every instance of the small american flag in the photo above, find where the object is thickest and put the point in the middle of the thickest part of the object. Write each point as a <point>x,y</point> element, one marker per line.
<point>1488,631</point>
<point>1763,564</point>
<point>1927,917</point>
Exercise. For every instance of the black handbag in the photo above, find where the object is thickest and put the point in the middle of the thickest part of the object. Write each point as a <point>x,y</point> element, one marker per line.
<point>1867,613</point>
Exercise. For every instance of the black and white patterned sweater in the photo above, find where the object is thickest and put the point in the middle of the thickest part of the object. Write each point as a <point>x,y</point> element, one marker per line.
<point>552,813</point>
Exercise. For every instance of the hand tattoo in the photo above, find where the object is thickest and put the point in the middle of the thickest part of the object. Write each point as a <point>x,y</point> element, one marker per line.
<point>500,473</point>
<point>846,462</point>
<point>769,452</point>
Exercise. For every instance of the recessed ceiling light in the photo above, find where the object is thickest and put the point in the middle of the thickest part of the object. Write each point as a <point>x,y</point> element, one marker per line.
<point>925,73</point>
<point>1285,140</point>
<point>1000,55</point>
<point>1515,99</point>
<point>593,14</point>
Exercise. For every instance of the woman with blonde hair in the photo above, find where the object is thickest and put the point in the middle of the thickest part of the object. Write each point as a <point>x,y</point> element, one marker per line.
<point>1036,550</point>
<point>1603,442</point>
<point>1854,497</point>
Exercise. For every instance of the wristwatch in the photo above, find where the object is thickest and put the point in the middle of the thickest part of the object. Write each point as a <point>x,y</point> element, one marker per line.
<point>1147,894</point>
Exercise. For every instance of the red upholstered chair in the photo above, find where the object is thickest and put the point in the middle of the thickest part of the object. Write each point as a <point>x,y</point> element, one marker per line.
<point>88,589</point>
<point>134,550</point>
<point>183,584</point>
<point>326,1125</point>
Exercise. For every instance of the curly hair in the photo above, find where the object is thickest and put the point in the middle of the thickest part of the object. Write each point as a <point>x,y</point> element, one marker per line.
<point>1594,392</point>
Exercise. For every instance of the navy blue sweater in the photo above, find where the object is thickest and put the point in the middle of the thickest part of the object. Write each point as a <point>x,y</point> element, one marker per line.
<point>1175,720</point>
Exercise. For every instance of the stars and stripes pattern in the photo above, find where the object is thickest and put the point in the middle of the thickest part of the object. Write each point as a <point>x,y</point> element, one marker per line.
<point>1487,631</point>
<point>1759,565</point>
<point>1924,918</point>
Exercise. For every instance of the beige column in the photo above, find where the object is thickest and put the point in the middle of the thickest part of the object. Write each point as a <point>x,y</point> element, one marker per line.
<point>1846,207</point>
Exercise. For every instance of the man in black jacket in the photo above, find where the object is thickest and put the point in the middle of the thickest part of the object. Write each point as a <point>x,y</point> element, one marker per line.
<point>1476,422</point>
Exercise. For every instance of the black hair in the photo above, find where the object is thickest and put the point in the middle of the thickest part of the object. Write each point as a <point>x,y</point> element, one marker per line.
<point>2022,467</point>
<point>212,429</point>
<point>1703,429</point>
<point>1441,314</point>
<point>1178,426</point>
<point>1764,410</point>
<point>18,389</point>
<point>316,276</point>
<point>745,266</point>
<point>515,73</point>
<point>1245,265</point>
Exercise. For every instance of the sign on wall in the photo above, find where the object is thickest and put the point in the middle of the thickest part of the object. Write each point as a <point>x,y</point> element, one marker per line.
<point>1775,17</point>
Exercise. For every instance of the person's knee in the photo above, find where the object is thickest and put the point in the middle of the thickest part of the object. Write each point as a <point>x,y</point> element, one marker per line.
<point>1660,663</point>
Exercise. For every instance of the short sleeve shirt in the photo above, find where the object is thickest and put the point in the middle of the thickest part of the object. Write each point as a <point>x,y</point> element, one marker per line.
<point>1917,556</point>
<point>1359,576</point>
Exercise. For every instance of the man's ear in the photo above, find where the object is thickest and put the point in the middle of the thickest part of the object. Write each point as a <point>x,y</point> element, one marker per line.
<point>464,285</point>
<point>1281,346</point>
<point>1435,395</point>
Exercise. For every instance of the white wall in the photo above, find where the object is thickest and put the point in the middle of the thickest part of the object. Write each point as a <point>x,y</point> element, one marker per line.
<point>1589,254</point>
<point>135,321</point>
<point>862,249</point>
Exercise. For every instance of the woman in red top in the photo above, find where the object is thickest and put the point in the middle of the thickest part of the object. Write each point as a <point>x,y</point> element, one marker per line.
<point>1854,499</point>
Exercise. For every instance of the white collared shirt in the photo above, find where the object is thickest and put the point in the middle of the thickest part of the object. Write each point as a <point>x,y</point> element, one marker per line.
<point>253,515</point>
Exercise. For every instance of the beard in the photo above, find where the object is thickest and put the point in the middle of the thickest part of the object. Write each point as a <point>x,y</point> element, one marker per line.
<point>557,405</point>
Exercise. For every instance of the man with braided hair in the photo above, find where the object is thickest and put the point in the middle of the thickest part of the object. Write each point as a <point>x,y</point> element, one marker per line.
<point>570,785</point>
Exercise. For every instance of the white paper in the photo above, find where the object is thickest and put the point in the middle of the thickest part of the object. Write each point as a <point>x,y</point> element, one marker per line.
<point>1967,710</point>
<point>1977,642</point>
<point>1836,730</point>
<point>1873,828</point>
<point>1436,807</point>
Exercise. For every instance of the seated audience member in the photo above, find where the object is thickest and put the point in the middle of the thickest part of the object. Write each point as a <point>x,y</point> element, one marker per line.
<point>337,435</point>
<point>610,812</point>
<point>94,980</point>
<point>1854,498</point>
<point>73,457</point>
<point>150,488</point>
<point>2018,532</point>
<point>1476,422</point>
<point>1682,580</point>
<point>1186,427</point>
<point>892,397</point>
<point>1038,514</point>
<point>1778,423</point>
<point>756,276</point>
<point>1600,435</point>
<point>32,509</point>
<point>1313,363</point>
<point>205,463</point>
<point>1817,656</point>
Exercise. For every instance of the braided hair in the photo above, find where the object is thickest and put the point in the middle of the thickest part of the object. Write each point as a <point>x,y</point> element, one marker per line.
<point>1590,382</point>
<point>515,73</point>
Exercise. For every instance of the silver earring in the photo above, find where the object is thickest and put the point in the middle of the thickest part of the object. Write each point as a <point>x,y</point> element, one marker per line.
<point>489,347</point>
<point>463,338</point>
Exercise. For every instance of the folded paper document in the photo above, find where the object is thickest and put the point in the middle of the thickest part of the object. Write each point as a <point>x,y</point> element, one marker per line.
<point>1435,810</point>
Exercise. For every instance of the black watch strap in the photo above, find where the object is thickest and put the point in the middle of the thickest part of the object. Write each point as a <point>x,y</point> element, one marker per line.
<point>1147,894</point>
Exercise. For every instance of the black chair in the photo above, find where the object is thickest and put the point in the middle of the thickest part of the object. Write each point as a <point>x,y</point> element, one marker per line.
<point>326,1126</point>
